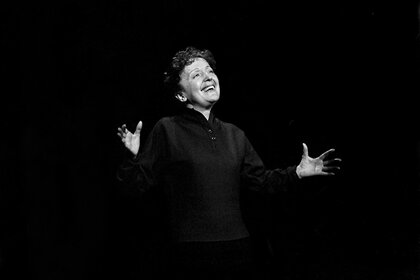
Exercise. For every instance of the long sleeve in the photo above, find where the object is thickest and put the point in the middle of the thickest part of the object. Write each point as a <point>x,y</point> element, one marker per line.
<point>199,166</point>
<point>140,173</point>
<point>257,178</point>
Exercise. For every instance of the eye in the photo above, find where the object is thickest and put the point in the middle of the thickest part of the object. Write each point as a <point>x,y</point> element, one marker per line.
<point>196,75</point>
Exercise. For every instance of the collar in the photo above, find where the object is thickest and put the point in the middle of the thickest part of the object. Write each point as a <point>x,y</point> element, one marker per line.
<point>196,116</point>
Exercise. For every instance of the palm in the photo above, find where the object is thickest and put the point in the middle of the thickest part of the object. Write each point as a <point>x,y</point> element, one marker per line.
<point>132,142</point>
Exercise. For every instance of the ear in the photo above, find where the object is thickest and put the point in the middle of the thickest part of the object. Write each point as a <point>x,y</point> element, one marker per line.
<point>181,96</point>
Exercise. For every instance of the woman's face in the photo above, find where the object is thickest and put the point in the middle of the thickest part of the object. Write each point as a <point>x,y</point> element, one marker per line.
<point>199,84</point>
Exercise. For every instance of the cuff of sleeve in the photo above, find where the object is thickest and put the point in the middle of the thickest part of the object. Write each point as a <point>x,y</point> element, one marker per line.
<point>132,158</point>
<point>294,173</point>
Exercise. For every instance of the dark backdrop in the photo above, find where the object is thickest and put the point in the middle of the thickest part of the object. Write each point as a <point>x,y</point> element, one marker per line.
<point>328,73</point>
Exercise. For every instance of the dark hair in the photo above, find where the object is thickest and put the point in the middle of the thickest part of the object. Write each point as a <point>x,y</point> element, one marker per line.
<point>181,59</point>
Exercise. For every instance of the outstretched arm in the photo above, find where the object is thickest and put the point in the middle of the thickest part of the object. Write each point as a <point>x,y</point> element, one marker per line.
<point>317,166</point>
<point>139,168</point>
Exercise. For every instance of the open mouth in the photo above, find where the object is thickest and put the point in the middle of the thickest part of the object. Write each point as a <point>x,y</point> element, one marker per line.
<point>208,88</point>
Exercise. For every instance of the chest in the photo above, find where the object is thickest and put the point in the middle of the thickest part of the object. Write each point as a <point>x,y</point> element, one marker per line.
<point>198,147</point>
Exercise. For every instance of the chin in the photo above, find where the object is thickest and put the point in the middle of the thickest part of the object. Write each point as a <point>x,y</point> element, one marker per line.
<point>215,99</point>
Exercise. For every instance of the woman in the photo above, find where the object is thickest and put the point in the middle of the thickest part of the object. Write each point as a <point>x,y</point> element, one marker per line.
<point>201,163</point>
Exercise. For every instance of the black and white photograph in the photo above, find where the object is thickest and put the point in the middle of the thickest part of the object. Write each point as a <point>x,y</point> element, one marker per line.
<point>210,140</point>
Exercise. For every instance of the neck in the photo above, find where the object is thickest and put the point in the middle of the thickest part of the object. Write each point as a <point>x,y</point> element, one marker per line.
<point>204,111</point>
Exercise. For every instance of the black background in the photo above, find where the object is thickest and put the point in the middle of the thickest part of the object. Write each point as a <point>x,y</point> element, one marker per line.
<point>329,74</point>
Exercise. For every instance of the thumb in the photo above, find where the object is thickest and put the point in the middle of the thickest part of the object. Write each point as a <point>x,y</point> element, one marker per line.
<point>305,150</point>
<point>139,127</point>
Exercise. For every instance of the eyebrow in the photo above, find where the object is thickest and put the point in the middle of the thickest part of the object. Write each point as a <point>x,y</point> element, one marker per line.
<point>194,70</point>
<point>208,66</point>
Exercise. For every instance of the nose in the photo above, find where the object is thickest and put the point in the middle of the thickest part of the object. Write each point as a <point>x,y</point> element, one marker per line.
<point>208,77</point>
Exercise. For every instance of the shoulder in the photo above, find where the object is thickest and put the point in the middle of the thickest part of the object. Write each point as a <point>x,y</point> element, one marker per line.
<point>230,127</point>
<point>162,124</point>
<point>165,121</point>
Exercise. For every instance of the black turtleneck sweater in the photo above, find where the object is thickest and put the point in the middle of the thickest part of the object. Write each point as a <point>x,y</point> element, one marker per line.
<point>201,166</point>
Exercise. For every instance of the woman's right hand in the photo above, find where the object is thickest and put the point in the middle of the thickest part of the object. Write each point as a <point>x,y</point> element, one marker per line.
<point>131,140</point>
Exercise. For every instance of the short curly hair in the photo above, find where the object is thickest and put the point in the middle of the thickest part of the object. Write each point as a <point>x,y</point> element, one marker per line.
<point>181,59</point>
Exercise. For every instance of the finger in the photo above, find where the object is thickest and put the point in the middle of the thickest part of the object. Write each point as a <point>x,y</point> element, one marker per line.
<point>121,133</point>
<point>326,173</point>
<point>305,150</point>
<point>122,138</point>
<point>332,161</point>
<point>124,128</point>
<point>330,168</point>
<point>325,154</point>
<point>139,127</point>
